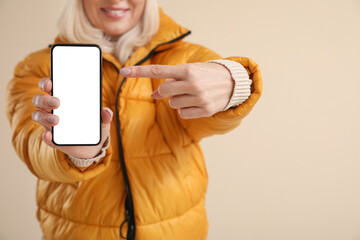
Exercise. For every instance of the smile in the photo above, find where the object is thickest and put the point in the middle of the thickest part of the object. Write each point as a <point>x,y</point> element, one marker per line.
<point>115,13</point>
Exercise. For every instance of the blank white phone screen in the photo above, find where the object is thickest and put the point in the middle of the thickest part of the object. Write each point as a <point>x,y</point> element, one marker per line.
<point>76,79</point>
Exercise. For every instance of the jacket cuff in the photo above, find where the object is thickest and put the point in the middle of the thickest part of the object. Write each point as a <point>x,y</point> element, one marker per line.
<point>82,162</point>
<point>242,86</point>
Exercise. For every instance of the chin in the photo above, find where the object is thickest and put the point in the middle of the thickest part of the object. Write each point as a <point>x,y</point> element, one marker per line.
<point>114,32</point>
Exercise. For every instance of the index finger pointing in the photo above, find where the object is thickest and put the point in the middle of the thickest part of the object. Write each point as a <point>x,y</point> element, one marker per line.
<point>155,71</point>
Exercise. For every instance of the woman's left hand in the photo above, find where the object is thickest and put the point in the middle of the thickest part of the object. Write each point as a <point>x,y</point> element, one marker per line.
<point>195,89</point>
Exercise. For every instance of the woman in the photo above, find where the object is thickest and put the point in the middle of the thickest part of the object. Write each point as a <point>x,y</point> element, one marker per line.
<point>147,178</point>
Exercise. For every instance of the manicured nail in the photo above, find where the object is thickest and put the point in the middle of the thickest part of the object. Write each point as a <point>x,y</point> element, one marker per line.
<point>53,102</point>
<point>52,119</point>
<point>42,84</point>
<point>152,95</point>
<point>35,100</point>
<point>109,112</point>
<point>35,116</point>
<point>125,71</point>
<point>156,95</point>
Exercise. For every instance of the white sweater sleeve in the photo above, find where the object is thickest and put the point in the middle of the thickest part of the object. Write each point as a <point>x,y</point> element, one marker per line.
<point>81,162</point>
<point>242,81</point>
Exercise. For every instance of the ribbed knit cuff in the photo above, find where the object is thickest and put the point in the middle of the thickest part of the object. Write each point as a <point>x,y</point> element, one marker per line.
<point>242,81</point>
<point>82,162</point>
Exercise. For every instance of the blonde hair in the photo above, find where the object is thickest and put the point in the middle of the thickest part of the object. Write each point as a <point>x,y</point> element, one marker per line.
<point>75,27</point>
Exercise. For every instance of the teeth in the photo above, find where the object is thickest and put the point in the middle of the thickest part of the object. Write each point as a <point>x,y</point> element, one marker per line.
<point>117,12</point>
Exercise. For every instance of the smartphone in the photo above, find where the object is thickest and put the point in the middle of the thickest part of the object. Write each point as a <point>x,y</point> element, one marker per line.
<point>76,75</point>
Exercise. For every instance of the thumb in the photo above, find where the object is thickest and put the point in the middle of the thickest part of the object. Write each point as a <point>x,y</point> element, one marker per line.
<point>156,94</point>
<point>106,117</point>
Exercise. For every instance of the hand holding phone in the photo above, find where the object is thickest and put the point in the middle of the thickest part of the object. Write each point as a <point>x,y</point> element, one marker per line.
<point>43,116</point>
<point>72,117</point>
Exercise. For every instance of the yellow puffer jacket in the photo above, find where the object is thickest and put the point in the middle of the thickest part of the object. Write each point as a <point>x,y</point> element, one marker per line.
<point>164,162</point>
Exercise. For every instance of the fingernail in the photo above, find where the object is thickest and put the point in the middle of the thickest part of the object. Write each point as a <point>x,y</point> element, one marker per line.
<point>35,116</point>
<point>109,111</point>
<point>52,119</point>
<point>125,71</point>
<point>42,84</point>
<point>53,102</point>
<point>153,93</point>
<point>156,96</point>
<point>34,100</point>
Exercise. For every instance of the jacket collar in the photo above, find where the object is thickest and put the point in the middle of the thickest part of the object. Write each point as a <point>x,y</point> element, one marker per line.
<point>169,32</point>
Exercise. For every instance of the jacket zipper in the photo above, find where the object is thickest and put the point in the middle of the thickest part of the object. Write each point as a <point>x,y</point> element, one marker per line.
<point>129,204</point>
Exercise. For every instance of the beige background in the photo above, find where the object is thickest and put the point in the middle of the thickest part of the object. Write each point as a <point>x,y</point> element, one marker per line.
<point>291,171</point>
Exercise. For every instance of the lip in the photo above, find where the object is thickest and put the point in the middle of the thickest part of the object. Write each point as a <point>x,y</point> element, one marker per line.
<point>106,11</point>
<point>114,8</point>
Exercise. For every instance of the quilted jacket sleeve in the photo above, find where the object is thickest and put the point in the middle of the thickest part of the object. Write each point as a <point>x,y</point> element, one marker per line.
<point>43,161</point>
<point>224,121</point>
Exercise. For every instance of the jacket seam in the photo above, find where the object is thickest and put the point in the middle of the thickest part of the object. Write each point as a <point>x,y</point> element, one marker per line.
<point>74,221</point>
<point>137,99</point>
<point>152,156</point>
<point>160,154</point>
<point>171,218</point>
<point>139,225</point>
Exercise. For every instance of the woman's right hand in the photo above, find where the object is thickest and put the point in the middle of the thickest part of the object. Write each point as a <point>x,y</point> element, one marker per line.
<point>44,117</point>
